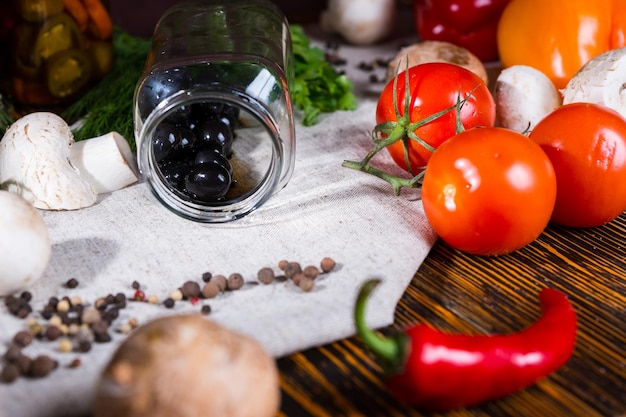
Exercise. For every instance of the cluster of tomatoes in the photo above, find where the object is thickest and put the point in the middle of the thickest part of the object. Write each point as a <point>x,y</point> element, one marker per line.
<point>488,190</point>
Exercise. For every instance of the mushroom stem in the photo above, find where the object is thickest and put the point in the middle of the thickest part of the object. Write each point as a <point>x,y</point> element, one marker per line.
<point>106,161</point>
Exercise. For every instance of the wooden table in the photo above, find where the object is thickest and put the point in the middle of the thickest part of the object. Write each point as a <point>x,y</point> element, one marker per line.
<point>458,292</point>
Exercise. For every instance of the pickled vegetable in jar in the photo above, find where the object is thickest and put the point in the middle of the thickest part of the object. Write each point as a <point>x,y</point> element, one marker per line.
<point>58,49</point>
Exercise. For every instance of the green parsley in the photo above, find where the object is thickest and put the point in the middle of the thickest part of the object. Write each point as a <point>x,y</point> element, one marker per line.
<point>317,87</point>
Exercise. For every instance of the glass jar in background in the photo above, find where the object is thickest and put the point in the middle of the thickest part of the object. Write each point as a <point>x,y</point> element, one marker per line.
<point>214,125</point>
<point>57,50</point>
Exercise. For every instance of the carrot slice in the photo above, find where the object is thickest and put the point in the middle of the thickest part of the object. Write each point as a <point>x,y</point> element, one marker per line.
<point>78,12</point>
<point>100,24</point>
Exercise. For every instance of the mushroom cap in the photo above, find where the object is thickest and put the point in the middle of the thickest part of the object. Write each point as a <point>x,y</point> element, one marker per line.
<point>188,365</point>
<point>34,163</point>
<point>25,246</point>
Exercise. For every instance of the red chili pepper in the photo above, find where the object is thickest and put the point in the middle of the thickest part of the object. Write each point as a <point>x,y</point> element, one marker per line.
<point>471,24</point>
<point>434,370</point>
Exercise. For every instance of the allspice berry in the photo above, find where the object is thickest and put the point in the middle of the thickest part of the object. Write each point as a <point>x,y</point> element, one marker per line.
<point>265,275</point>
<point>42,365</point>
<point>235,281</point>
<point>210,290</point>
<point>327,264</point>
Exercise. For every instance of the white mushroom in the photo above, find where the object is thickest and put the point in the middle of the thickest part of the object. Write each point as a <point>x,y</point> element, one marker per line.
<point>360,22</point>
<point>523,96</point>
<point>34,163</point>
<point>106,161</point>
<point>602,80</point>
<point>40,161</point>
<point>24,244</point>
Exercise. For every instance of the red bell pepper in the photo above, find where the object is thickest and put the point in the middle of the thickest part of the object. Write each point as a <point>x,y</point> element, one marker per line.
<point>471,24</point>
<point>439,371</point>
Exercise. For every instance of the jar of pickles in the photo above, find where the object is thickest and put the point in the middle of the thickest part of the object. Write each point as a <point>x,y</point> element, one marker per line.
<point>57,49</point>
<point>214,125</point>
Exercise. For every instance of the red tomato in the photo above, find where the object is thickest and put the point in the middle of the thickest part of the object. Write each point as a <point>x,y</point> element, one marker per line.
<point>587,146</point>
<point>489,191</point>
<point>433,87</point>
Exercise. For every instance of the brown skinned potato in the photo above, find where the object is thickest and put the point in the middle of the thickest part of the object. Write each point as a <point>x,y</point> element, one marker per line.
<point>188,366</point>
<point>436,51</point>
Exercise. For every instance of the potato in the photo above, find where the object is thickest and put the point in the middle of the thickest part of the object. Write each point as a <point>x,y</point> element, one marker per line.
<point>188,366</point>
<point>436,51</point>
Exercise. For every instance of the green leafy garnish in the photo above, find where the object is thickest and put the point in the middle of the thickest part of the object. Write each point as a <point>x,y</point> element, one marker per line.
<point>110,102</point>
<point>317,87</point>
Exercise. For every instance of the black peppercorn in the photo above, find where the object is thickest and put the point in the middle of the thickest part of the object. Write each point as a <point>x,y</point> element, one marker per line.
<point>71,283</point>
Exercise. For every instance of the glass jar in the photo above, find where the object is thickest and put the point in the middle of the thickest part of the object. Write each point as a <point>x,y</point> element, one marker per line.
<point>214,125</point>
<point>57,50</point>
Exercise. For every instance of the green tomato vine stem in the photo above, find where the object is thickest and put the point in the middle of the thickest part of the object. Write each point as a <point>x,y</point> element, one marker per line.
<point>389,132</point>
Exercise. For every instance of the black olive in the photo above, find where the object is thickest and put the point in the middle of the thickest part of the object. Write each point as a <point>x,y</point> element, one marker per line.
<point>216,130</point>
<point>174,173</point>
<point>207,156</point>
<point>208,182</point>
<point>159,86</point>
<point>166,136</point>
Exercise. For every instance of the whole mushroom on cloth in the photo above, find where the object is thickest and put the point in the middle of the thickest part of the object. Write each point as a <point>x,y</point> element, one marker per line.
<point>360,22</point>
<point>25,247</point>
<point>37,162</point>
<point>187,365</point>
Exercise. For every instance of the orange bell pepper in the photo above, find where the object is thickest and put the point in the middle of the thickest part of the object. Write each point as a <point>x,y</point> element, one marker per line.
<point>558,37</point>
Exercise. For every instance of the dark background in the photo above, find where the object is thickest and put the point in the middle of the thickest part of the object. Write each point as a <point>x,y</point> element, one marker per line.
<point>139,17</point>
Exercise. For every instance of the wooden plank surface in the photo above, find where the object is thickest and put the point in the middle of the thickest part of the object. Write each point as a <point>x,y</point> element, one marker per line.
<point>464,293</point>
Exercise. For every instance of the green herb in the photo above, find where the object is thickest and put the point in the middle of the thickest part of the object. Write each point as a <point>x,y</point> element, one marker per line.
<point>6,118</point>
<point>109,105</point>
<point>318,87</point>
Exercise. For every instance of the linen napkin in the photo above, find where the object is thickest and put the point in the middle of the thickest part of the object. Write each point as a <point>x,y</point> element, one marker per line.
<point>324,211</point>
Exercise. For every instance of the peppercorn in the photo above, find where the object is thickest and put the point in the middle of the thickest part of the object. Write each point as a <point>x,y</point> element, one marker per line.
<point>206,309</point>
<point>100,331</point>
<point>265,275</point>
<point>176,295</point>
<point>210,290</point>
<point>90,315</point>
<point>292,268</point>
<point>52,333</point>
<point>206,276</point>
<point>12,353</point>
<point>65,345</point>
<point>169,302</point>
<point>220,280</point>
<point>235,281</point>
<point>63,306</point>
<point>282,264</point>
<point>23,338</point>
<point>297,278</point>
<point>135,285</point>
<point>311,271</point>
<point>10,373</point>
<point>23,363</point>
<point>327,264</point>
<point>307,283</point>
<point>71,283</point>
<point>153,299</point>
<point>42,365</point>
<point>75,363</point>
<point>190,289</point>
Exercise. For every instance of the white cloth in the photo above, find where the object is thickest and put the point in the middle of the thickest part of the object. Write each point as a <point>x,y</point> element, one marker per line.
<point>325,210</point>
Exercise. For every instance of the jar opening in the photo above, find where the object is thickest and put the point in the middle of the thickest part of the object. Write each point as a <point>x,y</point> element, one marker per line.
<point>210,156</point>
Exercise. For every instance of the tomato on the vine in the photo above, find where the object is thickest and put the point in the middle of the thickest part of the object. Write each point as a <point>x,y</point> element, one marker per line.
<point>489,191</point>
<point>432,88</point>
<point>587,146</point>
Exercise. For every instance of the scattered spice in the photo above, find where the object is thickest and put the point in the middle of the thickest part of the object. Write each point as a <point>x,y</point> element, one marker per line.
<point>22,338</point>
<point>307,283</point>
<point>210,290</point>
<point>42,365</point>
<point>72,283</point>
<point>311,271</point>
<point>191,289</point>
<point>235,281</point>
<point>266,275</point>
<point>292,268</point>
<point>327,264</point>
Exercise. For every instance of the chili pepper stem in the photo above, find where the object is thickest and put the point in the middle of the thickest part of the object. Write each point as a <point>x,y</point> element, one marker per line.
<point>389,350</point>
